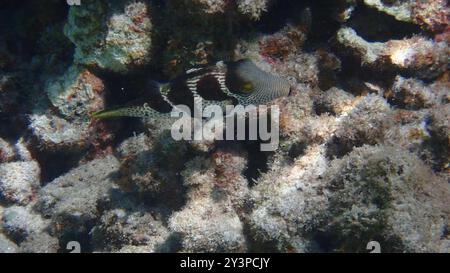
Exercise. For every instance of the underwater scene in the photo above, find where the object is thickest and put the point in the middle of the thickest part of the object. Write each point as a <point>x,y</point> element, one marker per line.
<point>224,126</point>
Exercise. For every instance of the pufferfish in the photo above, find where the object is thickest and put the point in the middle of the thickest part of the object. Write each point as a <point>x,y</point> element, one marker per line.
<point>231,83</point>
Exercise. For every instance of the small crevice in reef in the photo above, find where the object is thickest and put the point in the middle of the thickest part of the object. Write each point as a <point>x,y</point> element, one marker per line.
<point>297,149</point>
<point>382,27</point>
<point>322,26</point>
<point>121,90</point>
<point>335,149</point>
<point>54,165</point>
<point>257,161</point>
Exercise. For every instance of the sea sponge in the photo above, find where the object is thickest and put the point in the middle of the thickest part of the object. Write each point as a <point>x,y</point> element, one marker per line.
<point>19,181</point>
<point>385,194</point>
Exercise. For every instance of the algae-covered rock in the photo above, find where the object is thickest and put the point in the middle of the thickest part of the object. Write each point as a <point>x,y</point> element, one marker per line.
<point>120,229</point>
<point>114,36</point>
<point>56,134</point>
<point>6,246</point>
<point>70,201</point>
<point>76,93</point>
<point>19,181</point>
<point>417,55</point>
<point>385,194</point>
<point>290,203</point>
<point>20,222</point>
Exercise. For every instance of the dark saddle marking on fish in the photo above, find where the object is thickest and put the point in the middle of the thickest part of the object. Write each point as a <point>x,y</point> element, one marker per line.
<point>208,87</point>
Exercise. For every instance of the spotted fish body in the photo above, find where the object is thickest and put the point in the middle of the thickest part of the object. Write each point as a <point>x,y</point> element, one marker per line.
<point>240,82</point>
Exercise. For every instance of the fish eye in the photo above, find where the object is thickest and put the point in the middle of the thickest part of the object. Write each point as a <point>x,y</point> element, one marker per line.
<point>247,87</point>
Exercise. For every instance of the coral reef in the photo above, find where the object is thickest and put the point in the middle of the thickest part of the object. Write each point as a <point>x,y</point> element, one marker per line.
<point>76,93</point>
<point>216,196</point>
<point>289,202</point>
<point>19,181</point>
<point>120,230</point>
<point>431,14</point>
<point>414,94</point>
<point>56,134</point>
<point>222,231</point>
<point>336,101</point>
<point>6,246</point>
<point>365,124</point>
<point>19,223</point>
<point>364,135</point>
<point>8,95</point>
<point>6,151</point>
<point>123,42</point>
<point>253,8</point>
<point>418,55</point>
<point>213,6</point>
<point>379,192</point>
<point>71,200</point>
<point>40,243</point>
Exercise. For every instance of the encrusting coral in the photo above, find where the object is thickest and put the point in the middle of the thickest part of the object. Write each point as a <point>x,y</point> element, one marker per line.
<point>418,55</point>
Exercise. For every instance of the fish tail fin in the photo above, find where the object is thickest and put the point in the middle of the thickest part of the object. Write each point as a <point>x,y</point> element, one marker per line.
<point>115,113</point>
<point>136,108</point>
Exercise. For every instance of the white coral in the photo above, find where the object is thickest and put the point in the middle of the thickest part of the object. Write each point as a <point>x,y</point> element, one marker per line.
<point>253,8</point>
